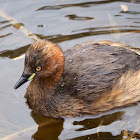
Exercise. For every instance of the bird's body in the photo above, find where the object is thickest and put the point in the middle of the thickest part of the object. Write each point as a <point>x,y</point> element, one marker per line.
<point>92,79</point>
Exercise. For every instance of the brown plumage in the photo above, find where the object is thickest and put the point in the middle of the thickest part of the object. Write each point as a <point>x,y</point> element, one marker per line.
<point>93,78</point>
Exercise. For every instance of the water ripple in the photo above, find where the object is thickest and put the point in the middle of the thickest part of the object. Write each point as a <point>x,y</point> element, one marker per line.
<point>84,4</point>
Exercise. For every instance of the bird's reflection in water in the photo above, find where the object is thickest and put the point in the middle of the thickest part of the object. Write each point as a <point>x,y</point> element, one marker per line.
<point>48,129</point>
<point>90,126</point>
<point>76,128</point>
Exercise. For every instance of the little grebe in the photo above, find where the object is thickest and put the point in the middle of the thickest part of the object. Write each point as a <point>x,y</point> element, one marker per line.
<point>93,78</point>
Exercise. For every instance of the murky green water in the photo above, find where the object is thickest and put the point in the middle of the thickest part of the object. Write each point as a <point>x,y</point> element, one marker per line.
<point>66,22</point>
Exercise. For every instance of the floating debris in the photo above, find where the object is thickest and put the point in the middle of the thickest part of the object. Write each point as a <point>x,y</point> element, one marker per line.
<point>40,26</point>
<point>124,7</point>
<point>18,25</point>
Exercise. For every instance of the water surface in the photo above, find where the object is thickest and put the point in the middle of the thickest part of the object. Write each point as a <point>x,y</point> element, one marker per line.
<point>67,23</point>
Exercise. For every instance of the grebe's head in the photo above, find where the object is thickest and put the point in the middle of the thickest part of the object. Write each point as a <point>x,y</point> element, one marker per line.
<point>43,59</point>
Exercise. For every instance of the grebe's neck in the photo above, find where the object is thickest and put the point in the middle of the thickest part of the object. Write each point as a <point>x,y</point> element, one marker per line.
<point>52,80</point>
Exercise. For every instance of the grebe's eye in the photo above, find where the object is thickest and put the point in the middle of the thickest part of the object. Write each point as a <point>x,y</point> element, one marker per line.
<point>38,68</point>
